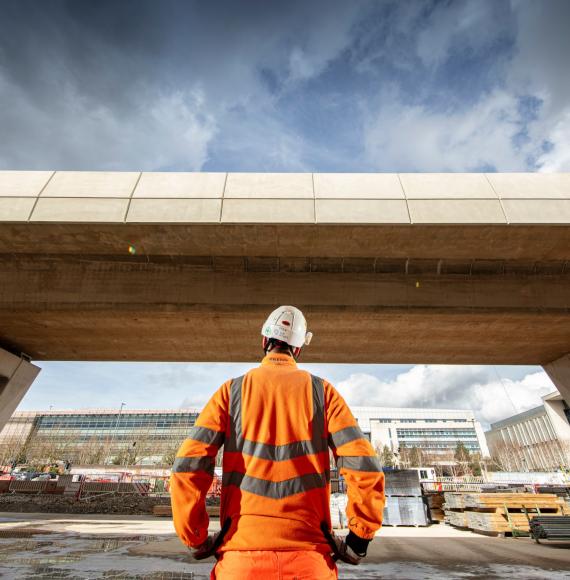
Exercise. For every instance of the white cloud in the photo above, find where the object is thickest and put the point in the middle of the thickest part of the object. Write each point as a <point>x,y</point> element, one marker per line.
<point>558,158</point>
<point>157,129</point>
<point>416,138</point>
<point>539,68</point>
<point>478,388</point>
<point>440,132</point>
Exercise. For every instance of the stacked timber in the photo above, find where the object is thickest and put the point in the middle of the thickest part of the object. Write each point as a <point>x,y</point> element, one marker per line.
<point>454,501</point>
<point>435,504</point>
<point>456,518</point>
<point>454,509</point>
<point>500,513</point>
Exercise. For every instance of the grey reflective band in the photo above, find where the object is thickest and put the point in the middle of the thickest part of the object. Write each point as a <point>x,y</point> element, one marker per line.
<point>276,489</point>
<point>359,463</point>
<point>232,443</point>
<point>345,435</point>
<point>280,452</point>
<point>237,443</point>
<point>318,412</point>
<point>190,464</point>
<point>208,436</point>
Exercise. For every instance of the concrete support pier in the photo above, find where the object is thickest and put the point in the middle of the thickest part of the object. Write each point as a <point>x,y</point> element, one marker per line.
<point>559,373</point>
<point>16,376</point>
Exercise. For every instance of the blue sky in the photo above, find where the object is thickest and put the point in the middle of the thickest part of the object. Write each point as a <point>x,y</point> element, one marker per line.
<point>285,86</point>
<point>491,392</point>
<point>291,85</point>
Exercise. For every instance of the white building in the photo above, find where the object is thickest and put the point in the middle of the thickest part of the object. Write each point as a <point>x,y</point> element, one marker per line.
<point>83,435</point>
<point>536,440</point>
<point>437,431</point>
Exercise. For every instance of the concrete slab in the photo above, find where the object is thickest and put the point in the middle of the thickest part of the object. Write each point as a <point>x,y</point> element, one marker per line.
<point>174,211</point>
<point>297,211</point>
<point>194,185</point>
<point>269,185</point>
<point>446,186</point>
<point>90,546</point>
<point>79,210</point>
<point>357,186</point>
<point>91,184</point>
<point>23,183</point>
<point>362,211</point>
<point>531,185</point>
<point>537,211</point>
<point>16,209</point>
<point>459,211</point>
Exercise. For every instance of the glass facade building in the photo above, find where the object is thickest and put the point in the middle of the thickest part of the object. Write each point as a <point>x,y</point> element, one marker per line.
<point>99,437</point>
<point>145,437</point>
<point>436,432</point>
<point>535,440</point>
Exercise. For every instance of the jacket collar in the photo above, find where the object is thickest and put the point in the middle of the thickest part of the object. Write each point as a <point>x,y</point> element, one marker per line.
<point>279,359</point>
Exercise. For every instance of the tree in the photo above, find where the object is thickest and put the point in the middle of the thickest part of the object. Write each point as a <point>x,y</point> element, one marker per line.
<point>415,457</point>
<point>463,458</point>
<point>462,454</point>
<point>386,457</point>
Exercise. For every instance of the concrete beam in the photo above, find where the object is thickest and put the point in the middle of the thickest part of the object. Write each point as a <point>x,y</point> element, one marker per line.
<point>73,307</point>
<point>16,376</point>
<point>559,372</point>
<point>457,268</point>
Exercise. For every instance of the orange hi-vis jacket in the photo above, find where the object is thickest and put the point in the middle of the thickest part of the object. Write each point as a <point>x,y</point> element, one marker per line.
<point>276,423</point>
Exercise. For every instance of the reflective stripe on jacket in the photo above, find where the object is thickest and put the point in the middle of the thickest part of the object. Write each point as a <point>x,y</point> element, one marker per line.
<point>276,423</point>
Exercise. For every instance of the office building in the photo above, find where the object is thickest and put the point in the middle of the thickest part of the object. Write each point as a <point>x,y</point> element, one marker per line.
<point>536,440</point>
<point>152,437</point>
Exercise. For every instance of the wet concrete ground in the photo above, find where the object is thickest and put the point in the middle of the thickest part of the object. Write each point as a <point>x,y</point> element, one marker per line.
<point>85,546</point>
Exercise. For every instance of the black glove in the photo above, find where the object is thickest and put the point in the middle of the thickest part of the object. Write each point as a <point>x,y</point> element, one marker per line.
<point>350,549</point>
<point>211,544</point>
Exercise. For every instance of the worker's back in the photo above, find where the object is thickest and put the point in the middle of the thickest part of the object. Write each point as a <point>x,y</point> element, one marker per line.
<point>276,424</point>
<point>276,460</point>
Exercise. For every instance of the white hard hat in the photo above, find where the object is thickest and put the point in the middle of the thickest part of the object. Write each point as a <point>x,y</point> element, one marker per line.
<point>287,324</point>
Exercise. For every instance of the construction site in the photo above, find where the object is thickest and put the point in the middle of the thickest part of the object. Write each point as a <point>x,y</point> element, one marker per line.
<point>81,527</point>
<point>86,494</point>
<point>284,290</point>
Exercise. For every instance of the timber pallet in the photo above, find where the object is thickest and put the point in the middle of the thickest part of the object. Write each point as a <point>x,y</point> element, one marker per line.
<point>500,514</point>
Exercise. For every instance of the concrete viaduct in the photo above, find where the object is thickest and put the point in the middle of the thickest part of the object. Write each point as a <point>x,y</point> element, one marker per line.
<point>390,268</point>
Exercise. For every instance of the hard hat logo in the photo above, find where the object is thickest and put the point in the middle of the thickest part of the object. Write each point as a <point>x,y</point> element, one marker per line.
<point>287,324</point>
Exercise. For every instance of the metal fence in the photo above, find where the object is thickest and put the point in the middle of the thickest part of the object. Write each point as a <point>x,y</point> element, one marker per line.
<point>84,487</point>
<point>465,484</point>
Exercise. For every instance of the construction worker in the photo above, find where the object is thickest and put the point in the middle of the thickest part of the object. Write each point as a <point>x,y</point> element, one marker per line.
<point>277,423</point>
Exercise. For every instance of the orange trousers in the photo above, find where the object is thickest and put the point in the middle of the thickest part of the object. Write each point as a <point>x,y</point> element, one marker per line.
<point>270,565</point>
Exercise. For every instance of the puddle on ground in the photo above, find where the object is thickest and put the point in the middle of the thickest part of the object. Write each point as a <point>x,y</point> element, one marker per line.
<point>69,556</point>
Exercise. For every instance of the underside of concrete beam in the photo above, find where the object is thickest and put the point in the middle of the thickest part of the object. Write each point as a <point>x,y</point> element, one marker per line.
<point>441,268</point>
